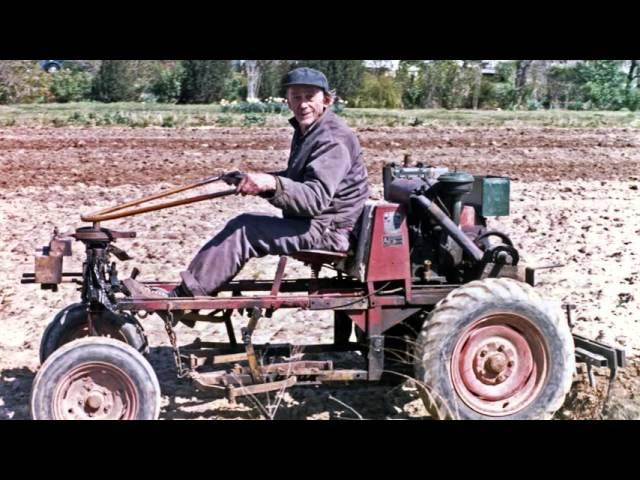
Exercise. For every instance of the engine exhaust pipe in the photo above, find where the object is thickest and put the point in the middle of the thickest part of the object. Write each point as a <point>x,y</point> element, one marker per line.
<point>452,229</point>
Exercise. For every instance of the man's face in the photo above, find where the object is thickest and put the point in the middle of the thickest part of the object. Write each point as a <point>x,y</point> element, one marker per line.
<point>307,103</point>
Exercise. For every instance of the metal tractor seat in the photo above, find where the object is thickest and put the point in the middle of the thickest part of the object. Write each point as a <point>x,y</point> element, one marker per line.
<point>319,256</point>
<point>352,262</point>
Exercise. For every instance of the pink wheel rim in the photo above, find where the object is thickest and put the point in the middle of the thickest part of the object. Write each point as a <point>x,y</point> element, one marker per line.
<point>95,391</point>
<point>499,364</point>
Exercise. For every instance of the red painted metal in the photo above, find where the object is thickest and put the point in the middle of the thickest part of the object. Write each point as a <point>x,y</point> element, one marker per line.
<point>374,321</point>
<point>499,364</point>
<point>359,317</point>
<point>389,250</point>
<point>468,216</point>
<point>98,391</point>
<point>211,303</point>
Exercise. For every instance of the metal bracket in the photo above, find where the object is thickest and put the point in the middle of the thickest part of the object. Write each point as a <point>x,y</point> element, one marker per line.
<point>376,356</point>
<point>247,333</point>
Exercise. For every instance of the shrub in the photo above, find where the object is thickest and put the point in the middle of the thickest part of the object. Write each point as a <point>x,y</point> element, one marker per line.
<point>166,84</point>
<point>114,82</point>
<point>632,100</point>
<point>224,120</point>
<point>272,73</point>
<point>254,120</point>
<point>204,81</point>
<point>70,86</point>
<point>270,105</point>
<point>23,81</point>
<point>378,91</point>
<point>168,121</point>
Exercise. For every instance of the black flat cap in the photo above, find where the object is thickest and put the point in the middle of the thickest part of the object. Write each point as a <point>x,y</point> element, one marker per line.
<point>307,76</point>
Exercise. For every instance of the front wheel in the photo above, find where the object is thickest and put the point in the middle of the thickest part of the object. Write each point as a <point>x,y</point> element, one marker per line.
<point>95,378</point>
<point>72,323</point>
<point>494,349</point>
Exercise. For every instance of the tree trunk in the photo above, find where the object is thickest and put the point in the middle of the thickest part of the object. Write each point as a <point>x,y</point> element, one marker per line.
<point>632,73</point>
<point>522,67</point>
<point>253,79</point>
<point>477,84</point>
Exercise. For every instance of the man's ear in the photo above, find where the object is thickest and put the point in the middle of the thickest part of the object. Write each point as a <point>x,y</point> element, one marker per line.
<point>328,99</point>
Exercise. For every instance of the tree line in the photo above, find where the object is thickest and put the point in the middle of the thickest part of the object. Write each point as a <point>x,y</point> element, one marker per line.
<point>448,84</point>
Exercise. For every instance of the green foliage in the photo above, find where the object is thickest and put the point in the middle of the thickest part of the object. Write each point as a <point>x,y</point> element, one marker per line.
<point>70,86</point>
<point>632,100</point>
<point>270,105</point>
<point>411,78</point>
<point>450,84</point>
<point>441,79</point>
<point>22,81</point>
<point>506,95</point>
<point>378,91</point>
<point>487,96</point>
<point>444,84</point>
<point>235,87</point>
<point>506,72</point>
<point>254,120</point>
<point>602,83</point>
<point>502,92</point>
<point>204,81</point>
<point>271,79</point>
<point>562,86</point>
<point>344,76</point>
<point>115,82</point>
<point>166,84</point>
<point>168,121</point>
<point>593,84</point>
<point>224,120</point>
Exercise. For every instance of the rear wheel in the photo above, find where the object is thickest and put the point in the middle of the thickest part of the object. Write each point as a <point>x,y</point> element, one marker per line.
<point>95,378</point>
<point>72,323</point>
<point>494,349</point>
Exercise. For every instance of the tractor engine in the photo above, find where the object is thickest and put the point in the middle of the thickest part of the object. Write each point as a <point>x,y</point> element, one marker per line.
<point>446,216</point>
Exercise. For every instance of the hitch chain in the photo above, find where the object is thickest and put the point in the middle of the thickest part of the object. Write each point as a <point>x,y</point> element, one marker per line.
<point>168,326</point>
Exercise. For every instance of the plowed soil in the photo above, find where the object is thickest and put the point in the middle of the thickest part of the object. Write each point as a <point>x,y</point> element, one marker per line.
<point>574,202</point>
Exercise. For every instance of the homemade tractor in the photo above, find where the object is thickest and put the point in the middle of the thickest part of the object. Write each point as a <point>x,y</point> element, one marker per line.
<point>428,286</point>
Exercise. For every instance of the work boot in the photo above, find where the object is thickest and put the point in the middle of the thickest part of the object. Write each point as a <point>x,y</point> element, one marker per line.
<point>137,289</point>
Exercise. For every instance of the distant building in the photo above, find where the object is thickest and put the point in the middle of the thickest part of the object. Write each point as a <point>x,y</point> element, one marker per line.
<point>489,67</point>
<point>389,67</point>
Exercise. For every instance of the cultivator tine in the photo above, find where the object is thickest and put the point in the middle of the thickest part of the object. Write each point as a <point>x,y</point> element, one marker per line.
<point>247,339</point>
<point>234,392</point>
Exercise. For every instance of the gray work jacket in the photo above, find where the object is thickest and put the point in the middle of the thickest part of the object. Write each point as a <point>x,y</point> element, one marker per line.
<point>326,178</point>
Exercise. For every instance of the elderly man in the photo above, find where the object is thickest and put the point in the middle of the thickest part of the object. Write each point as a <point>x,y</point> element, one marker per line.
<point>321,193</point>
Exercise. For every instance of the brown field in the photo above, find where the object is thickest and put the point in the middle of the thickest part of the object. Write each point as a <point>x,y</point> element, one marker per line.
<point>574,201</point>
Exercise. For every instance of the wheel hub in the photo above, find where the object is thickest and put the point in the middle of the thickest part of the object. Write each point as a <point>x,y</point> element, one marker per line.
<point>96,391</point>
<point>493,362</point>
<point>497,364</point>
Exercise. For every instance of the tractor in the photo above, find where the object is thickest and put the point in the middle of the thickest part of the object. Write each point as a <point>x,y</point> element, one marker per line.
<point>428,292</point>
